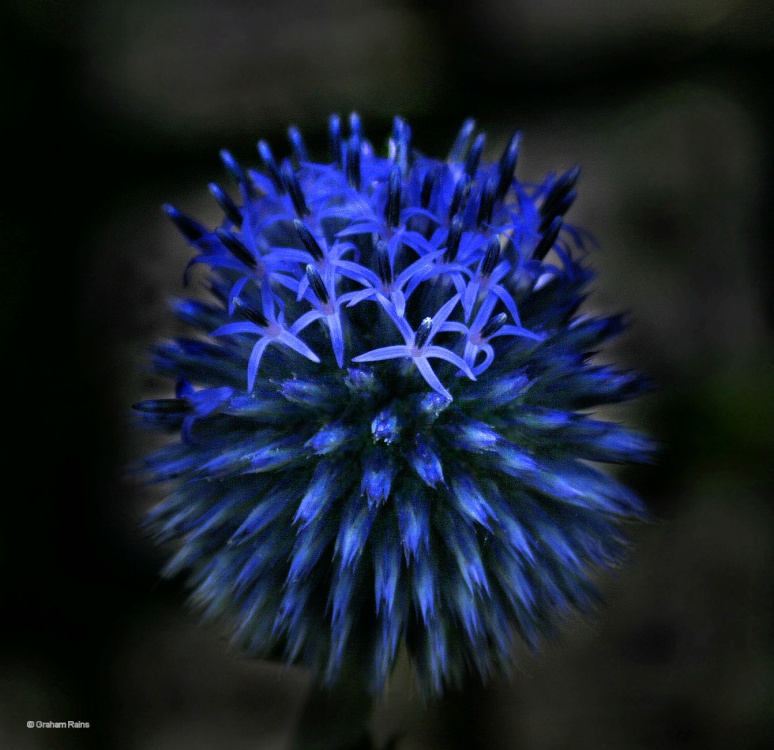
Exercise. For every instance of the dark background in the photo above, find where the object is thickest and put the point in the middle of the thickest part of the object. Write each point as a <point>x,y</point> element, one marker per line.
<point>112,107</point>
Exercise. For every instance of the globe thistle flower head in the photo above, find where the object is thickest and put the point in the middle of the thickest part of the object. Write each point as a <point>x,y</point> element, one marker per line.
<point>381,429</point>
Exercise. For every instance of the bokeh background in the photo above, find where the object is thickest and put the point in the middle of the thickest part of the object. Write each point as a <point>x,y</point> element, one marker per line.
<point>112,107</point>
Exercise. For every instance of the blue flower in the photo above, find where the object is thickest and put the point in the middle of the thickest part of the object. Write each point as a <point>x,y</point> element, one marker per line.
<point>382,428</point>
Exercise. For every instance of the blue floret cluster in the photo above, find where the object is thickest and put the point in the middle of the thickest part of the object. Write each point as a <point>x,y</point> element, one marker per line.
<point>381,430</point>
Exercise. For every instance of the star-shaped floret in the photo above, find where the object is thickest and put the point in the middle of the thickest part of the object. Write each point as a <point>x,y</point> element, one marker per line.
<point>271,329</point>
<point>420,349</point>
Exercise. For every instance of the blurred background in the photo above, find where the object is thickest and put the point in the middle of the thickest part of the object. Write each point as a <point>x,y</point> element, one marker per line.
<point>112,107</point>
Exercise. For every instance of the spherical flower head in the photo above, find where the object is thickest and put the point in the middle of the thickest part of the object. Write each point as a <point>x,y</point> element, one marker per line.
<point>382,427</point>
